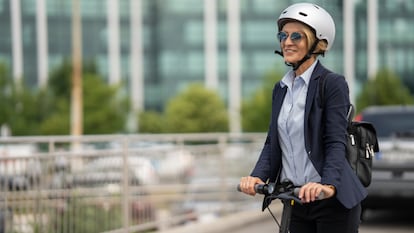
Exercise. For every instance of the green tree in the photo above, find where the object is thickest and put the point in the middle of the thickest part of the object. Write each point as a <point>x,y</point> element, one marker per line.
<point>256,110</point>
<point>26,114</point>
<point>196,109</point>
<point>6,96</point>
<point>58,120</point>
<point>151,122</point>
<point>385,89</point>
<point>60,78</point>
<point>105,109</point>
<point>19,105</point>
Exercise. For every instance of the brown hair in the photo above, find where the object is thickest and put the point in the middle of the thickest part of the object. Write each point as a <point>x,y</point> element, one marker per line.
<point>310,35</point>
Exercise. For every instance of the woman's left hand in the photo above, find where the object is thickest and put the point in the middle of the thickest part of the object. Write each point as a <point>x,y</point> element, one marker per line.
<point>311,191</point>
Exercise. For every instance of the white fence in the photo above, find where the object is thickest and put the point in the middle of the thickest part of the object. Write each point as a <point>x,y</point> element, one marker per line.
<point>122,183</point>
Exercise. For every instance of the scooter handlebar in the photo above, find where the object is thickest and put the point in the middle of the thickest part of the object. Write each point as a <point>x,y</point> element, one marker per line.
<point>269,188</point>
<point>261,188</point>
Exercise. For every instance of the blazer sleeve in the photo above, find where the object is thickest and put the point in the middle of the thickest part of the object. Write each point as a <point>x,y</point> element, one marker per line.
<point>262,168</point>
<point>334,127</point>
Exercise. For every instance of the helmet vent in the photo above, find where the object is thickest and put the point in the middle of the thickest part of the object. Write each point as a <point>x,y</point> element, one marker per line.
<point>303,14</point>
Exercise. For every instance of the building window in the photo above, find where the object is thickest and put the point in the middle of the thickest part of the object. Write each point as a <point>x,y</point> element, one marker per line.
<point>28,7</point>
<point>259,33</point>
<point>93,8</point>
<point>195,64</point>
<point>59,8</point>
<point>180,6</point>
<point>172,63</point>
<point>263,61</point>
<point>194,32</point>
<point>267,6</point>
<point>222,33</point>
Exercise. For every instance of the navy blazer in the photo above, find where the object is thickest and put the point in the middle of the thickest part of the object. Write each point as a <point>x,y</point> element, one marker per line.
<point>325,137</point>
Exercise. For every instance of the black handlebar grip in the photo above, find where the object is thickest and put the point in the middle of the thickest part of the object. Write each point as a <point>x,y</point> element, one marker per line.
<point>260,188</point>
<point>319,197</point>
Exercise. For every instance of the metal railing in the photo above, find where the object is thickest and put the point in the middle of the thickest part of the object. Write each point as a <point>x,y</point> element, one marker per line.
<point>122,183</point>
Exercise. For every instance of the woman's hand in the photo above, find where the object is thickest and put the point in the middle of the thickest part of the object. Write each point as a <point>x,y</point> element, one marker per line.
<point>311,191</point>
<point>247,184</point>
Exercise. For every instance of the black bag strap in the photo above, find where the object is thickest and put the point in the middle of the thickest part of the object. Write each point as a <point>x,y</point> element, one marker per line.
<point>350,114</point>
<point>322,87</point>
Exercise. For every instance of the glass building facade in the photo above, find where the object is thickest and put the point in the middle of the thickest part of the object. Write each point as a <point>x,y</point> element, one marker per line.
<point>173,41</point>
<point>395,39</point>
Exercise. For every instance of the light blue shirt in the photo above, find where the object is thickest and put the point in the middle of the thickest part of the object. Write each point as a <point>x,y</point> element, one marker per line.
<point>295,161</point>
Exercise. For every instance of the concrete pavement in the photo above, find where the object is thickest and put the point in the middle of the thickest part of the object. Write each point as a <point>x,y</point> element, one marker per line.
<point>231,223</point>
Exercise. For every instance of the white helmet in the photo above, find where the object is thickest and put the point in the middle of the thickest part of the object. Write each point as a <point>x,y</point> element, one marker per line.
<point>312,15</point>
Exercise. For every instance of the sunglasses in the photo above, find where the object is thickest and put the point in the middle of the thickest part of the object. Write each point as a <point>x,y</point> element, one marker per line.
<point>295,37</point>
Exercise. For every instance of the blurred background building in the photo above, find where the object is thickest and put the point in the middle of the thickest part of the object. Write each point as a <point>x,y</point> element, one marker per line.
<point>157,47</point>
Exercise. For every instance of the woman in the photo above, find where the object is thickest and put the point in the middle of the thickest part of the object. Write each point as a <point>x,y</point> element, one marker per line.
<point>305,143</point>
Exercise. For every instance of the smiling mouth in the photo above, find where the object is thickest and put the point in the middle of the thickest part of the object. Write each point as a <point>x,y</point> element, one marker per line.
<point>289,51</point>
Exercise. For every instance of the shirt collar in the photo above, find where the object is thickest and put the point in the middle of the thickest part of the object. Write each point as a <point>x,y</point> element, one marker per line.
<point>290,75</point>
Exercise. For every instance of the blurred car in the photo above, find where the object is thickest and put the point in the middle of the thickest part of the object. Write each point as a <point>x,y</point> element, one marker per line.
<point>207,198</point>
<point>172,162</point>
<point>392,183</point>
<point>109,171</point>
<point>175,165</point>
<point>18,171</point>
<point>101,179</point>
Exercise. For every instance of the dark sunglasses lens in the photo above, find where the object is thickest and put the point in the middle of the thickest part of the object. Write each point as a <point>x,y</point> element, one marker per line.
<point>295,36</point>
<point>282,36</point>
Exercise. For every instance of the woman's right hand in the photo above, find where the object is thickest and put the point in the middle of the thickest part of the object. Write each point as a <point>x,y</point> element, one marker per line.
<point>247,184</point>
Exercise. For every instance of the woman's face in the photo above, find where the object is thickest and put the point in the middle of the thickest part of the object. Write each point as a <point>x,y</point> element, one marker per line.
<point>293,42</point>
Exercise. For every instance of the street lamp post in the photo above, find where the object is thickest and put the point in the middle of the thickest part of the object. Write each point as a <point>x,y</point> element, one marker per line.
<point>77,98</point>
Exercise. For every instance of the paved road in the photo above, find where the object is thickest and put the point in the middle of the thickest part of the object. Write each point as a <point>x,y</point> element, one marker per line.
<point>375,222</point>
<point>400,221</point>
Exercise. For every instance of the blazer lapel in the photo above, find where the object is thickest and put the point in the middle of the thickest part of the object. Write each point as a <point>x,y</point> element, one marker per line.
<point>313,88</point>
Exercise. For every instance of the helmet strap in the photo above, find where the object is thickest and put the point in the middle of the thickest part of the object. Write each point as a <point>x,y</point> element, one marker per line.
<point>295,66</point>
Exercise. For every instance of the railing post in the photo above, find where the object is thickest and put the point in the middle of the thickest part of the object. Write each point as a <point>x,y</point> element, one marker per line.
<point>125,184</point>
<point>223,143</point>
